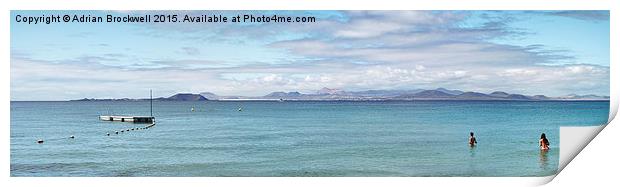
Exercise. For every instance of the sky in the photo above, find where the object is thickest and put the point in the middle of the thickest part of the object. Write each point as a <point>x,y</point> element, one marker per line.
<point>552,53</point>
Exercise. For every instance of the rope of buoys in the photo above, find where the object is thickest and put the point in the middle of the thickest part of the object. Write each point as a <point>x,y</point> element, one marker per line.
<point>133,129</point>
<point>40,141</point>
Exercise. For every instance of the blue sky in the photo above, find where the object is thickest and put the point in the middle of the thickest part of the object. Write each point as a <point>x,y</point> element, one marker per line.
<point>530,52</point>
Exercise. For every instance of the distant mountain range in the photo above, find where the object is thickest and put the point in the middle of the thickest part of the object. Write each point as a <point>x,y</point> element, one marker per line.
<point>329,94</point>
<point>175,97</point>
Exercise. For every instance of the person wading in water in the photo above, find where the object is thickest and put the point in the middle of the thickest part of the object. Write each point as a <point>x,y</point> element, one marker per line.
<point>543,142</point>
<point>472,139</point>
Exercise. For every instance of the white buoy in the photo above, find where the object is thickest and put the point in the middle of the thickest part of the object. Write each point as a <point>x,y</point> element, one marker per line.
<point>116,132</point>
<point>108,134</point>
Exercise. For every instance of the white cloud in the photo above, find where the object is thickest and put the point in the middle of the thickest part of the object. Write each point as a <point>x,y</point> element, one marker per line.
<point>368,50</point>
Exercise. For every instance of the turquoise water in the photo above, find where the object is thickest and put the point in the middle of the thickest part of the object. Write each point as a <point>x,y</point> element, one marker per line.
<point>421,138</point>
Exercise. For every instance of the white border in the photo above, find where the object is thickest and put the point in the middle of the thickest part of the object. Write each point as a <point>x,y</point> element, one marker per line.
<point>315,5</point>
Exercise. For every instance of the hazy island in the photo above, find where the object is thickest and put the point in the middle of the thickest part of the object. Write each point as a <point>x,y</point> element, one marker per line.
<point>327,94</point>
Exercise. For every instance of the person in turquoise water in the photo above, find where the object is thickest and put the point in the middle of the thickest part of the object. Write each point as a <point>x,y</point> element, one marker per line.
<point>472,139</point>
<point>543,142</point>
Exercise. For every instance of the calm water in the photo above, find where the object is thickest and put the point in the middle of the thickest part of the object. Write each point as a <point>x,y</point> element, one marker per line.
<point>421,138</point>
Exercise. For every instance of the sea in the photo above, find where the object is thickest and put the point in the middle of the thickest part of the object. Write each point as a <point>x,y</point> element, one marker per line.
<point>293,138</point>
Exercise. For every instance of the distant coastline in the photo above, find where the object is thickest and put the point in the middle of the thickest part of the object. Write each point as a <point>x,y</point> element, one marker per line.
<point>327,94</point>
